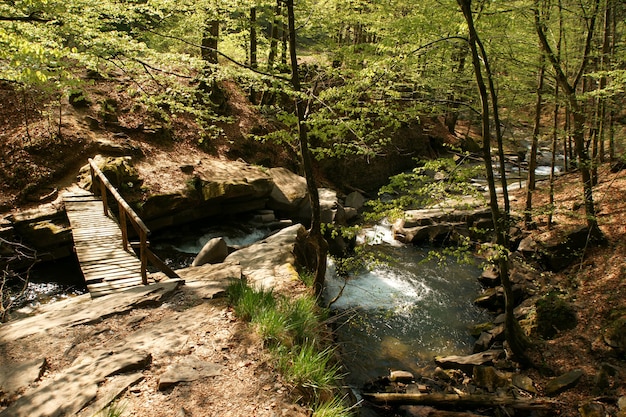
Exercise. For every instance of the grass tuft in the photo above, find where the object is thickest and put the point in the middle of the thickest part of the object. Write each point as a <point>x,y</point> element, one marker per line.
<point>332,408</point>
<point>292,328</point>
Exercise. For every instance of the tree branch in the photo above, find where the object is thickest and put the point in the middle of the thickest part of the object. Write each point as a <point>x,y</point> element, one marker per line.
<point>255,70</point>
<point>33,17</point>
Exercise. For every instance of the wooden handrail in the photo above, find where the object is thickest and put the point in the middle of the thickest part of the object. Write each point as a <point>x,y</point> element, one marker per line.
<point>127,213</point>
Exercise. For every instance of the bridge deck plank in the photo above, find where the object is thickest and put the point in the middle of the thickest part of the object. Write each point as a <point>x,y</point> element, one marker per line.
<point>106,266</point>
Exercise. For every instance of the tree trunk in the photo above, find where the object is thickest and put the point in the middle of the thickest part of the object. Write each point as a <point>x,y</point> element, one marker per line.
<point>532,162</point>
<point>253,41</point>
<point>452,115</point>
<point>513,332</point>
<point>498,126</point>
<point>578,117</point>
<point>210,36</point>
<point>555,138</point>
<point>274,36</point>
<point>316,247</point>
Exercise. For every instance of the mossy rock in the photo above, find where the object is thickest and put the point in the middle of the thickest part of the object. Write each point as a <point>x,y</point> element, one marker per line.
<point>554,314</point>
<point>119,171</point>
<point>615,335</point>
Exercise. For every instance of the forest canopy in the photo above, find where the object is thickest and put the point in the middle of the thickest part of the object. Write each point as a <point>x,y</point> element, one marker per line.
<point>369,67</point>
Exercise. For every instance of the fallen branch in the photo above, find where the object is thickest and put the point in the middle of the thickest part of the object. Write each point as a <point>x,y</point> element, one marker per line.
<point>456,400</point>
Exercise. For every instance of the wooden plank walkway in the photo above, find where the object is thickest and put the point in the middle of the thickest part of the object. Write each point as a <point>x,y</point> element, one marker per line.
<point>106,266</point>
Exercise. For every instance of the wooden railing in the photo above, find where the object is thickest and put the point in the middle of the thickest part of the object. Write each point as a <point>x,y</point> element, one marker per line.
<point>100,184</point>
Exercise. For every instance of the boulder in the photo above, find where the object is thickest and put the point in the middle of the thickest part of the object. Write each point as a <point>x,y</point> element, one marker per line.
<point>556,252</point>
<point>270,263</point>
<point>592,409</point>
<point>214,251</point>
<point>119,171</point>
<point>524,383</point>
<point>488,338</point>
<point>355,200</point>
<point>331,208</point>
<point>554,314</point>
<point>437,224</point>
<point>289,193</point>
<point>46,230</point>
<point>615,335</point>
<point>489,378</point>
<point>490,277</point>
<point>491,299</point>
<point>401,376</point>
<point>189,369</point>
<point>214,188</point>
<point>563,382</point>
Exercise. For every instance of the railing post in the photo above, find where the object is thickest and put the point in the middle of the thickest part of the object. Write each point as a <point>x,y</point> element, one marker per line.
<point>103,195</point>
<point>143,248</point>
<point>123,226</point>
<point>93,178</point>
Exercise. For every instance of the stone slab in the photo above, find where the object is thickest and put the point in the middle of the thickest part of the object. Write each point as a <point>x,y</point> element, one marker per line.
<point>15,377</point>
<point>84,310</point>
<point>73,388</point>
<point>190,368</point>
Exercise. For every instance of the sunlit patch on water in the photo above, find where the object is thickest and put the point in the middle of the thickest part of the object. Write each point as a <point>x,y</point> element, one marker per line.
<point>381,288</point>
<point>402,314</point>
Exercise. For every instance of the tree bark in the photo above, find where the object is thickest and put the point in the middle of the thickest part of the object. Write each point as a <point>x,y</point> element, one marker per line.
<point>555,139</point>
<point>532,162</point>
<point>498,127</point>
<point>210,36</point>
<point>578,117</point>
<point>513,332</point>
<point>274,36</point>
<point>253,40</point>
<point>316,247</point>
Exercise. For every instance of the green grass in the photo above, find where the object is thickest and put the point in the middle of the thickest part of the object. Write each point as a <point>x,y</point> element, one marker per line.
<point>248,303</point>
<point>307,366</point>
<point>112,410</point>
<point>332,408</point>
<point>293,330</point>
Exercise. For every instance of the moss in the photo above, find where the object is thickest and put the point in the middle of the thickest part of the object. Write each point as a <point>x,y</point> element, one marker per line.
<point>554,314</point>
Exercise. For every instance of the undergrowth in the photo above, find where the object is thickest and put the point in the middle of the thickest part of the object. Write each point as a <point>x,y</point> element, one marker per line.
<point>293,330</point>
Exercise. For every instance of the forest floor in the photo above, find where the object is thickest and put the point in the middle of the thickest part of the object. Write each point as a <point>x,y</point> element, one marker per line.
<point>32,169</point>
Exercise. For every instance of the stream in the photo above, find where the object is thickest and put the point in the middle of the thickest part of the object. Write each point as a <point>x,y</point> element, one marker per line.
<point>402,313</point>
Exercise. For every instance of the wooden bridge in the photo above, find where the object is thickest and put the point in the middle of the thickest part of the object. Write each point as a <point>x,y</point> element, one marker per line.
<point>101,242</point>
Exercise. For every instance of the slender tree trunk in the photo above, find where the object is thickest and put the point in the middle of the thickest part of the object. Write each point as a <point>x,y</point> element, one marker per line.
<point>285,40</point>
<point>514,335</point>
<point>452,115</point>
<point>316,247</point>
<point>605,65</point>
<point>253,41</point>
<point>578,117</point>
<point>555,138</point>
<point>567,141</point>
<point>210,36</point>
<point>498,126</point>
<point>532,162</point>
<point>276,24</point>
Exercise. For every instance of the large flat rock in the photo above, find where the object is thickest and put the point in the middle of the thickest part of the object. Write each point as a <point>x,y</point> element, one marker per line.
<point>270,263</point>
<point>14,377</point>
<point>70,390</point>
<point>84,310</point>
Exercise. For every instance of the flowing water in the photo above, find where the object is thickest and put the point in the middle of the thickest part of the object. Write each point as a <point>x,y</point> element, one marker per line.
<point>399,315</point>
